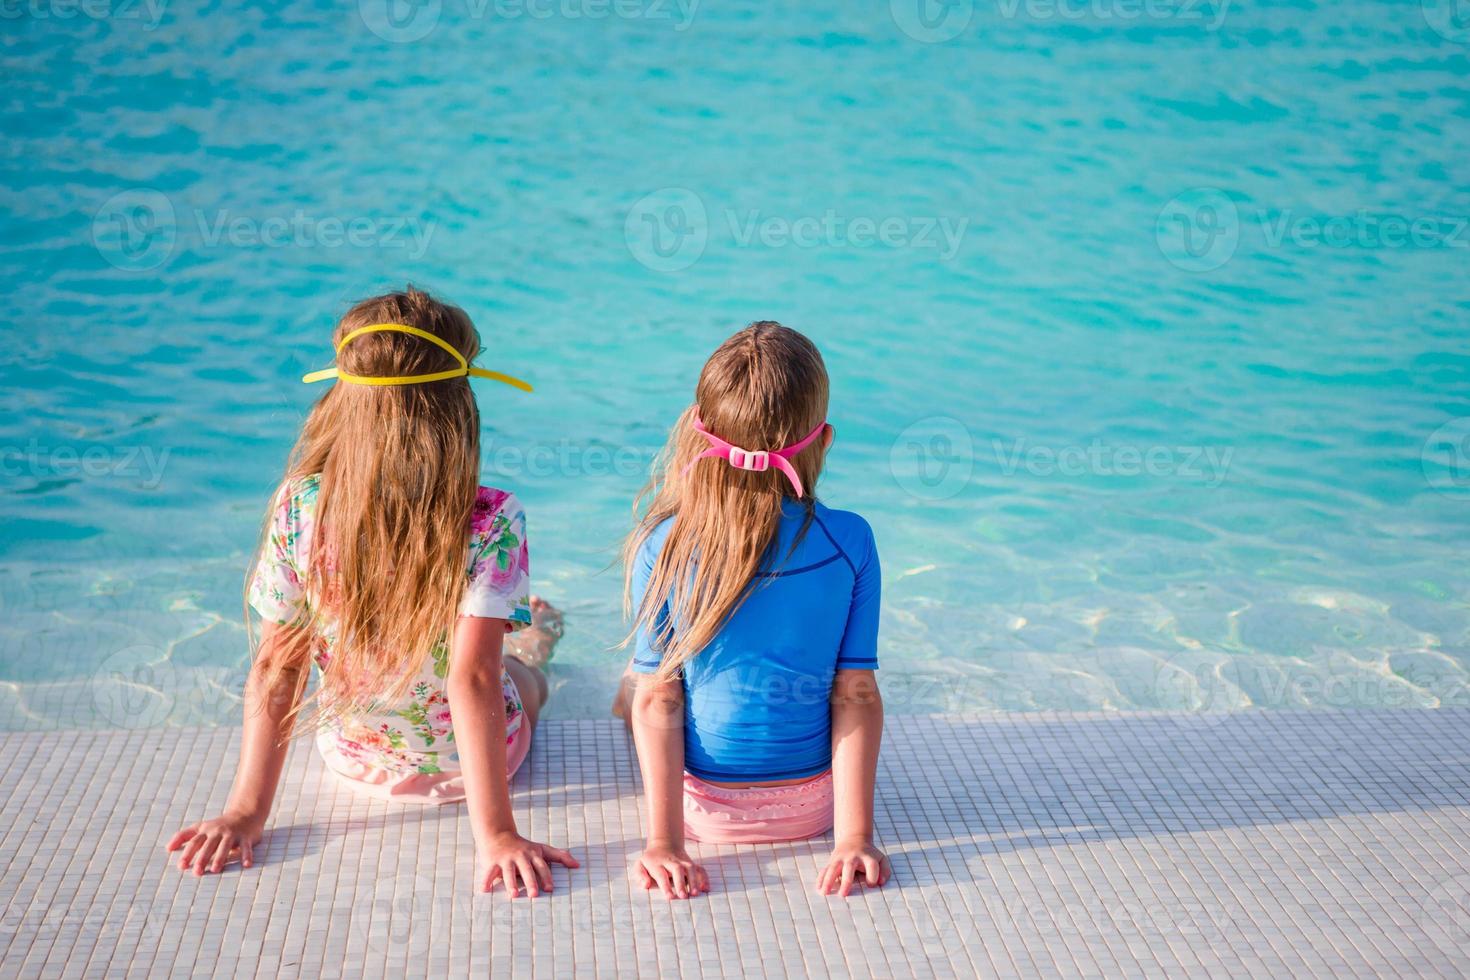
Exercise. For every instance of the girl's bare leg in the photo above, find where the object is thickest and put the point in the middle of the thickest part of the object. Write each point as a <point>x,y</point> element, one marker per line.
<point>622,706</point>
<point>527,653</point>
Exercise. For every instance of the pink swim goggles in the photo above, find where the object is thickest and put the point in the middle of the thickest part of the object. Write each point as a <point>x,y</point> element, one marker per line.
<point>756,460</point>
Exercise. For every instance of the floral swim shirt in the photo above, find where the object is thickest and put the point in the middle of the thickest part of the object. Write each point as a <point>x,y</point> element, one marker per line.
<point>416,733</point>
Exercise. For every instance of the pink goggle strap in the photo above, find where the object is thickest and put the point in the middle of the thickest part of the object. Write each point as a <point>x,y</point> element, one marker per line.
<point>756,460</point>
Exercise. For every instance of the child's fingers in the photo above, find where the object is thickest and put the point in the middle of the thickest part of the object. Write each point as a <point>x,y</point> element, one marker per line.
<point>222,854</point>
<point>181,838</point>
<point>543,871</point>
<point>665,880</point>
<point>508,877</point>
<point>824,880</point>
<point>848,873</point>
<point>219,843</point>
<point>489,877</point>
<point>201,855</point>
<point>692,873</point>
<point>528,876</point>
<point>703,878</point>
<point>885,870</point>
<point>872,873</point>
<point>563,858</point>
<point>190,846</point>
<point>247,854</point>
<point>644,878</point>
<point>191,850</point>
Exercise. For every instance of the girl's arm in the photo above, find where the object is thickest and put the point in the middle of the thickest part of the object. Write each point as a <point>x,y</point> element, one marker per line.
<point>857,730</point>
<point>208,846</point>
<point>658,733</point>
<point>477,705</point>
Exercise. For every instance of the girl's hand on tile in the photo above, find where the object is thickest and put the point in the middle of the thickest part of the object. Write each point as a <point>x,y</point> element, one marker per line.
<point>519,863</point>
<point>851,862</point>
<point>211,844</point>
<point>670,869</point>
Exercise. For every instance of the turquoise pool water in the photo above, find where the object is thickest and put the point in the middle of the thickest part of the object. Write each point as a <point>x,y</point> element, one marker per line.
<point>1147,321</point>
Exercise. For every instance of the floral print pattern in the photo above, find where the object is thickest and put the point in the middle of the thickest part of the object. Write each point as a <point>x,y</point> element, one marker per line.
<point>415,734</point>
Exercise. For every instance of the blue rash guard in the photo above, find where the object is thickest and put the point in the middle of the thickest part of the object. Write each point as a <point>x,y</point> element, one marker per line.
<point>757,698</point>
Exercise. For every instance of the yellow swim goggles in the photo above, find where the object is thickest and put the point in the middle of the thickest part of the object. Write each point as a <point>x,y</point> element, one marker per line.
<point>464,369</point>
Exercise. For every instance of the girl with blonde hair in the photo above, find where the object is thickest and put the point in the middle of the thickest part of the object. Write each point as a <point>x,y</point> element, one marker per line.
<point>755,710</point>
<point>386,563</point>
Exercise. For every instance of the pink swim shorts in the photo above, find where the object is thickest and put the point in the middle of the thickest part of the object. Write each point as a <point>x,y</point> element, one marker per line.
<point>756,814</point>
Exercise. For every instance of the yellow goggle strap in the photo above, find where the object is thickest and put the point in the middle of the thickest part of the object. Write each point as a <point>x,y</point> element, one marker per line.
<point>463,370</point>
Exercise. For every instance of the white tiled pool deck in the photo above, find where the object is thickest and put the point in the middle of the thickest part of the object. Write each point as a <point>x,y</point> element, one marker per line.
<point>1254,843</point>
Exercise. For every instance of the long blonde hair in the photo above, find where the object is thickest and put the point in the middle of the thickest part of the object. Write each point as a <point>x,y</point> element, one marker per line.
<point>764,388</point>
<point>399,470</point>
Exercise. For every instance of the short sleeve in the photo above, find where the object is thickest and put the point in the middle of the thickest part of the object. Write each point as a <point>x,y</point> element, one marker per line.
<point>276,590</point>
<point>646,658</point>
<point>859,649</point>
<point>500,563</point>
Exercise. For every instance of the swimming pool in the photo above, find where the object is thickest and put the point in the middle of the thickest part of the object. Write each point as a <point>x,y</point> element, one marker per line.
<point>1147,322</point>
